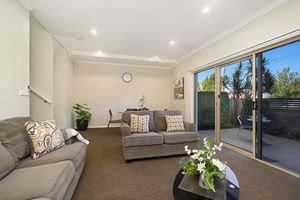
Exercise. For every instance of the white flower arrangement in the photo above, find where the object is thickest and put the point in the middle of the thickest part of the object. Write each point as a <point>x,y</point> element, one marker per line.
<point>201,162</point>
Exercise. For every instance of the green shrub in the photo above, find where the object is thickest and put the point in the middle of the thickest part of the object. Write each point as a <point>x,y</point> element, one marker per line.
<point>247,107</point>
<point>206,110</point>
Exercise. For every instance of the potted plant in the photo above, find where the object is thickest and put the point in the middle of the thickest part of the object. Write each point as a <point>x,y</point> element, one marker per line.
<point>142,102</point>
<point>202,164</point>
<point>83,116</point>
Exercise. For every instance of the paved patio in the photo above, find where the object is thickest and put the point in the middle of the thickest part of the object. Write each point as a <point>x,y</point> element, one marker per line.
<point>282,152</point>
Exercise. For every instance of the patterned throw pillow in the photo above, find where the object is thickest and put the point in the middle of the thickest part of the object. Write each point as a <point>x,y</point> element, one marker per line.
<point>45,137</point>
<point>174,123</point>
<point>139,123</point>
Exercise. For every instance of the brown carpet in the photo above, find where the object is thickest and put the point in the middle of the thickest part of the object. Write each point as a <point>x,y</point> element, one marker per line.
<point>107,176</point>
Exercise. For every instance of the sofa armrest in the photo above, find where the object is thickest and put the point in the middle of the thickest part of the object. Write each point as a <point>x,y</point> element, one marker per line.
<point>190,127</point>
<point>125,129</point>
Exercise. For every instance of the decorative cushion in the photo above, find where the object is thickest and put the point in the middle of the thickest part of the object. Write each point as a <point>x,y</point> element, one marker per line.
<point>45,137</point>
<point>139,123</point>
<point>174,123</point>
<point>127,119</point>
<point>160,118</point>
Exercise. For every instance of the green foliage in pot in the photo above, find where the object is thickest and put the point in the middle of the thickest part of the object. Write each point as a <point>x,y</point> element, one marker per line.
<point>203,163</point>
<point>82,111</point>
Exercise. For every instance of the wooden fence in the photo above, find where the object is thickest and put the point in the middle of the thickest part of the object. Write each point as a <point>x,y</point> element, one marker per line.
<point>283,105</point>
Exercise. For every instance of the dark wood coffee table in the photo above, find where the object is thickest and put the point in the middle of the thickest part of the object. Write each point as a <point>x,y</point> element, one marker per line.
<point>232,189</point>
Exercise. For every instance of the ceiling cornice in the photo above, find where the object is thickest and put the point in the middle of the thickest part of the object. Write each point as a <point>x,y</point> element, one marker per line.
<point>236,27</point>
<point>125,60</point>
<point>121,64</point>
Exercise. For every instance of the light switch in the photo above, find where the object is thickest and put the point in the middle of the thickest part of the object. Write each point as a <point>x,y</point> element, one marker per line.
<point>23,92</point>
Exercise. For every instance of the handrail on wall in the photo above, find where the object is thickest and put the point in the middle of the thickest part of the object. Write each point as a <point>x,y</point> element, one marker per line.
<point>46,100</point>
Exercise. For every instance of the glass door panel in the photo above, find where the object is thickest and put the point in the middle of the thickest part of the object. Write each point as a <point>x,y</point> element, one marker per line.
<point>236,104</point>
<point>205,96</point>
<point>279,109</point>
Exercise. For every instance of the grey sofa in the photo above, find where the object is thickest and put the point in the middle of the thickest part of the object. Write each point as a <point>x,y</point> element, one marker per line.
<point>158,142</point>
<point>53,176</point>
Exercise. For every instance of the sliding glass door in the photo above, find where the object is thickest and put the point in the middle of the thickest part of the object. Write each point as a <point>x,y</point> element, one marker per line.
<point>205,100</point>
<point>236,104</point>
<point>278,129</point>
<point>253,105</point>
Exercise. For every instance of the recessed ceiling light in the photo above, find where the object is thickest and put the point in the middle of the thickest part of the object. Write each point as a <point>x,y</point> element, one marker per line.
<point>100,53</point>
<point>172,42</point>
<point>155,58</point>
<point>94,32</point>
<point>205,10</point>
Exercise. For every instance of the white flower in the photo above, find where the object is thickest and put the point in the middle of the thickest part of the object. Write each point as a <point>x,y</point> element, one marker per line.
<point>201,167</point>
<point>189,152</point>
<point>219,164</point>
<point>200,159</point>
<point>195,151</point>
<point>186,148</point>
<point>194,157</point>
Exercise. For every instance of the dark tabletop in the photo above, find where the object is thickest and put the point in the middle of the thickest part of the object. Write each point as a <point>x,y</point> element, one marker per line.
<point>231,193</point>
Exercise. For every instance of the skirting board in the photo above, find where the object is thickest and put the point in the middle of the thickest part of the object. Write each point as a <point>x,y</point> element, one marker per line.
<point>105,126</point>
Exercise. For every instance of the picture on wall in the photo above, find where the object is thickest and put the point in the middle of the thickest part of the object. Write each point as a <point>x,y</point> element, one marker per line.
<point>179,88</point>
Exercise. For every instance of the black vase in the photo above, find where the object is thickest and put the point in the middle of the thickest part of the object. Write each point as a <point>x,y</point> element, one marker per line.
<point>81,125</point>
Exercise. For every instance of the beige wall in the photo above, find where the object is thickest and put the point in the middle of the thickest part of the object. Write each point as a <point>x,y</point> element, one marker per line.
<point>102,88</point>
<point>41,70</point>
<point>14,59</point>
<point>281,20</point>
<point>63,87</point>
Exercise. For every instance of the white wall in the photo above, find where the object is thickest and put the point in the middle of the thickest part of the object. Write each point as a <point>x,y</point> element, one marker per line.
<point>63,87</point>
<point>102,88</point>
<point>14,59</point>
<point>279,21</point>
<point>41,70</point>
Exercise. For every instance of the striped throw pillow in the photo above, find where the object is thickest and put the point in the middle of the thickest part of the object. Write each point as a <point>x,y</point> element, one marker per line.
<point>174,123</point>
<point>139,123</point>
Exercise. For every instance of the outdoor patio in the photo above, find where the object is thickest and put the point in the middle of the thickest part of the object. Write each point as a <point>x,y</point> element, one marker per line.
<point>281,151</point>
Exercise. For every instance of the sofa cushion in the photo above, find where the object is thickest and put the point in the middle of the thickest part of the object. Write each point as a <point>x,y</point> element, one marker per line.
<point>44,181</point>
<point>7,162</point>
<point>74,152</point>
<point>179,137</point>
<point>126,117</point>
<point>14,137</point>
<point>143,139</point>
<point>139,123</point>
<point>160,118</point>
<point>45,137</point>
<point>174,123</point>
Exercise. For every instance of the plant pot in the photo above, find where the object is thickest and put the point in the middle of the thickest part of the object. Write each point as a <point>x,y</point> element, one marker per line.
<point>201,182</point>
<point>81,125</point>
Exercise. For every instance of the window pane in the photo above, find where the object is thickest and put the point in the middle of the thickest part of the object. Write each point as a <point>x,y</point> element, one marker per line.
<point>206,103</point>
<point>236,104</point>
<point>281,106</point>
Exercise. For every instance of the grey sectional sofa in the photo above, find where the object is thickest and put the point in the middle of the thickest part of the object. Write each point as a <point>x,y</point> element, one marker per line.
<point>158,142</point>
<point>53,176</point>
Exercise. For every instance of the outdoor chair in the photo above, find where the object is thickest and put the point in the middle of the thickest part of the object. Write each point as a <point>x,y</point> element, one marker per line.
<point>111,120</point>
<point>245,123</point>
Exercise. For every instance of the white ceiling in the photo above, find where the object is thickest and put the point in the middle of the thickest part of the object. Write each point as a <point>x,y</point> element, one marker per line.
<point>135,31</point>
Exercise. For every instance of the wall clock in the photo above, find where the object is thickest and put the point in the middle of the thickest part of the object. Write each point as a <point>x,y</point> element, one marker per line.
<point>127,77</point>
